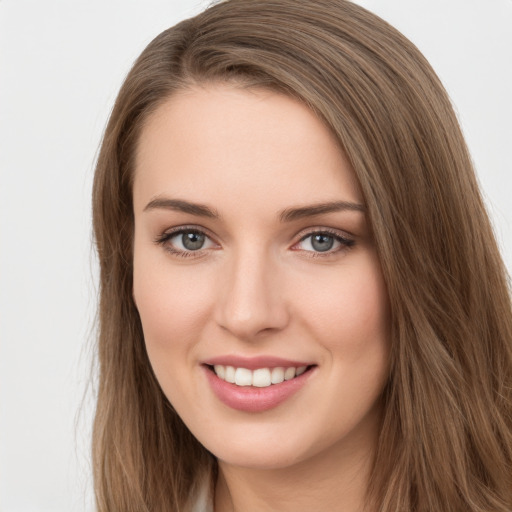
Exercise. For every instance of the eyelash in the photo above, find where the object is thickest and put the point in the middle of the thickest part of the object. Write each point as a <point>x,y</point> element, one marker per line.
<point>345,242</point>
<point>163,239</point>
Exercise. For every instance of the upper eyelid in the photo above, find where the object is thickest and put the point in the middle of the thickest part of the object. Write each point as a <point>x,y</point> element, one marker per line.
<point>342,239</point>
<point>323,229</point>
<point>163,238</point>
<point>186,228</point>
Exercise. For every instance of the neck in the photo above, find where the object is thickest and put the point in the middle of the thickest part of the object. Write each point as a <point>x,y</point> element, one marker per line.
<point>336,479</point>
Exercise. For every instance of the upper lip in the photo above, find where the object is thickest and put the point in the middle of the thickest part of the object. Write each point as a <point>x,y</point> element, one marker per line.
<point>253,363</point>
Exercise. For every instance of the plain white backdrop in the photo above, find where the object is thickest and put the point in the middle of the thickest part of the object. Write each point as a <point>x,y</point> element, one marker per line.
<point>61,64</point>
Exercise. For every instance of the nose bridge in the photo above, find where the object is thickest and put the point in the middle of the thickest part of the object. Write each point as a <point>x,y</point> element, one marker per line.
<point>250,300</point>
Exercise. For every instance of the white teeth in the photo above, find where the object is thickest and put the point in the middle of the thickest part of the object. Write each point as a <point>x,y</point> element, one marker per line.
<point>220,371</point>
<point>260,378</point>
<point>230,374</point>
<point>243,377</point>
<point>289,373</point>
<point>277,375</point>
<point>300,370</point>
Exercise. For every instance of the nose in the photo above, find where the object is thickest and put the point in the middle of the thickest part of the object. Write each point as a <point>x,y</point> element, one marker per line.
<point>250,299</point>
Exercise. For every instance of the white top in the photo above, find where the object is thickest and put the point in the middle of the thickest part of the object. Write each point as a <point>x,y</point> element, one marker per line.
<point>204,500</point>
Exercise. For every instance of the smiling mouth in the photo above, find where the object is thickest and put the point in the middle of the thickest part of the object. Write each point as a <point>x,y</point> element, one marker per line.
<point>260,377</point>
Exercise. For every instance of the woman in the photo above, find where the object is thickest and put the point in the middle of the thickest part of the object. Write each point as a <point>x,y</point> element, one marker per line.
<point>302,302</point>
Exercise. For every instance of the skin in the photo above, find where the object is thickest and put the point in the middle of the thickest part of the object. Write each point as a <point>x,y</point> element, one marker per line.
<point>259,287</point>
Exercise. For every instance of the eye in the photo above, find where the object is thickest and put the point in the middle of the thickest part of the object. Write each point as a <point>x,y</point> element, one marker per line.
<point>324,242</point>
<point>189,241</point>
<point>184,241</point>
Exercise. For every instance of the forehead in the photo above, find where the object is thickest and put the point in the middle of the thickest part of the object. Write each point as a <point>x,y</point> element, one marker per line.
<point>221,143</point>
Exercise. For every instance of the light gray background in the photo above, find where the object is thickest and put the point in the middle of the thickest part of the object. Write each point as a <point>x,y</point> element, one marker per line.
<point>61,64</point>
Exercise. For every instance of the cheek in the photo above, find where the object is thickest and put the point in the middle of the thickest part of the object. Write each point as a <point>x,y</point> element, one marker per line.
<point>173,303</point>
<point>173,309</point>
<point>348,311</point>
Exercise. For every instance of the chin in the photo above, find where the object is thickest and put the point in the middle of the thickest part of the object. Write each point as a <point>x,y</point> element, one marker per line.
<point>260,459</point>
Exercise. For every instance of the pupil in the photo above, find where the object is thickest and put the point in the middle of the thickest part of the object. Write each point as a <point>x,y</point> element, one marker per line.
<point>322,243</point>
<point>192,241</point>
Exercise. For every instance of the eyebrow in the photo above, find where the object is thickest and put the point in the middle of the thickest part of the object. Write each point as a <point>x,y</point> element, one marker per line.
<point>287,215</point>
<point>291,214</point>
<point>179,205</point>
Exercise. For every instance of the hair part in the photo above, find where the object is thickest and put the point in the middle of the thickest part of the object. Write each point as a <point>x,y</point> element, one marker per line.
<point>446,438</point>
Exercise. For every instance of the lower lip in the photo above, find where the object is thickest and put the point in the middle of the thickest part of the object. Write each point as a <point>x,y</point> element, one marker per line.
<point>253,399</point>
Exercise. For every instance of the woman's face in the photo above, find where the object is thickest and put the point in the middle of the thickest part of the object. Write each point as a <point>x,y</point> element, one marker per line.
<point>253,262</point>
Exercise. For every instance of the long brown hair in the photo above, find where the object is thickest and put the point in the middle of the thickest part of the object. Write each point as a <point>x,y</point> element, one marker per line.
<point>446,437</point>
